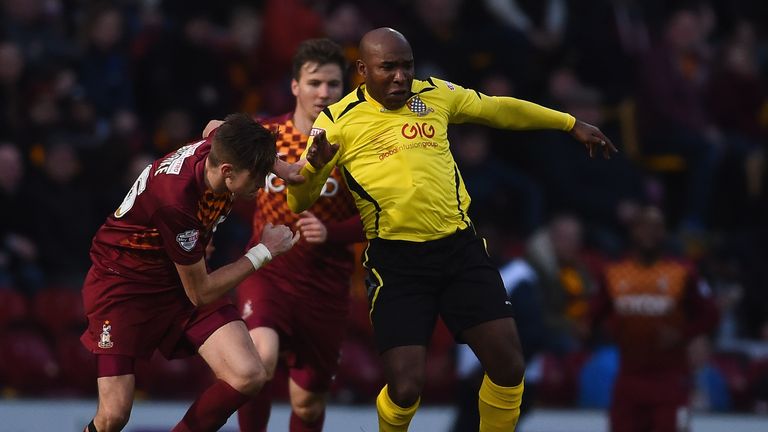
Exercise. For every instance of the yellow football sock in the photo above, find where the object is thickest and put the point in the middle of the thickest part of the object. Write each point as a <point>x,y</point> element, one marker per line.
<point>499,406</point>
<point>393,418</point>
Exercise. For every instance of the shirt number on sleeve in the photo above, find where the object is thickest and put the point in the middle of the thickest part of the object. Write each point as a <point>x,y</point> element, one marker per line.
<point>138,187</point>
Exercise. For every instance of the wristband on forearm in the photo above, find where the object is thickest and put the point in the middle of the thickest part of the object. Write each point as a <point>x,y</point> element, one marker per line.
<point>258,255</point>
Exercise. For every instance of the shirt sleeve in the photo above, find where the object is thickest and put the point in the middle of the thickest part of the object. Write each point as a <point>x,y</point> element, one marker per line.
<point>470,106</point>
<point>181,233</point>
<point>302,196</point>
<point>347,231</point>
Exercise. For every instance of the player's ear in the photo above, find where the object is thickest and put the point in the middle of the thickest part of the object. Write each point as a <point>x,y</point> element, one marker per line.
<point>361,69</point>
<point>227,170</point>
<point>295,87</point>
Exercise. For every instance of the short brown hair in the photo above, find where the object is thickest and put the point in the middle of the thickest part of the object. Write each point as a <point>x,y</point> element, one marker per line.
<point>320,51</point>
<point>244,143</point>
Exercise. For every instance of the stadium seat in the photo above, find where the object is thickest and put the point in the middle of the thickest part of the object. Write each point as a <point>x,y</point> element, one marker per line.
<point>733,366</point>
<point>27,363</point>
<point>13,308</point>
<point>59,310</point>
<point>77,366</point>
<point>757,374</point>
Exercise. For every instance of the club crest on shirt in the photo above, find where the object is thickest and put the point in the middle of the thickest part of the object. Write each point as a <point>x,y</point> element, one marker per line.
<point>105,340</point>
<point>418,107</point>
<point>188,239</point>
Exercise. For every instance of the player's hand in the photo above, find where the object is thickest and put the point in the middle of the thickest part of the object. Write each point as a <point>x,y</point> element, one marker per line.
<point>278,239</point>
<point>289,172</point>
<point>311,228</point>
<point>592,138</point>
<point>321,152</point>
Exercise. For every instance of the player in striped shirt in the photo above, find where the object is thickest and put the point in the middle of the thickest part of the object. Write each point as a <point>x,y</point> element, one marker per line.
<point>296,308</point>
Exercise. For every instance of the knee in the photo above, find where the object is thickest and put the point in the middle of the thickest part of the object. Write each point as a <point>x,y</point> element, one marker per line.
<point>405,392</point>
<point>309,411</point>
<point>248,380</point>
<point>512,373</point>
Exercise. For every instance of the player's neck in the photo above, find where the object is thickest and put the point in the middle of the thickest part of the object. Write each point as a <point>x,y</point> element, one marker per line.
<point>302,121</point>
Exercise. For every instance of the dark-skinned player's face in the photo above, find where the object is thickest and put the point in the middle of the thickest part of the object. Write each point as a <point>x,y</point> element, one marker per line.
<point>388,73</point>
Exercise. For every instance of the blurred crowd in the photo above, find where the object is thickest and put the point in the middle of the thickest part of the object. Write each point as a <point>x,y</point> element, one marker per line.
<point>90,92</point>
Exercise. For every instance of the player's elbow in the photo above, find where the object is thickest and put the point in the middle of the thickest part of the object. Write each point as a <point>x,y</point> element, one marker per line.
<point>196,296</point>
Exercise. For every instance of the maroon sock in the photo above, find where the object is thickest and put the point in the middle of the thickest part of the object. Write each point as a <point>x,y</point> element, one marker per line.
<point>211,409</point>
<point>253,415</point>
<point>299,425</point>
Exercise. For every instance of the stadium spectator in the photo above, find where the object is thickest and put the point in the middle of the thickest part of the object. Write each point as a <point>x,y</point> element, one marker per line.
<point>502,196</point>
<point>19,266</point>
<point>709,391</point>
<point>297,307</point>
<point>390,138</point>
<point>736,97</point>
<point>63,216</point>
<point>565,280</point>
<point>654,306</point>
<point>672,113</point>
<point>149,262</point>
<point>104,67</point>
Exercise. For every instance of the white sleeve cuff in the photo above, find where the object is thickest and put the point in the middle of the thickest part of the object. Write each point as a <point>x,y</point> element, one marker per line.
<point>258,255</point>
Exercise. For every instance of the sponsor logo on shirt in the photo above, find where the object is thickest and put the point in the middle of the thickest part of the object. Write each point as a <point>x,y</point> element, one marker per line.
<point>417,130</point>
<point>188,239</point>
<point>314,131</point>
<point>450,85</point>
<point>644,304</point>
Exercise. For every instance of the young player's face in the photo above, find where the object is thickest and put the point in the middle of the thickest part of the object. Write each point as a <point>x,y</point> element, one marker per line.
<point>318,86</point>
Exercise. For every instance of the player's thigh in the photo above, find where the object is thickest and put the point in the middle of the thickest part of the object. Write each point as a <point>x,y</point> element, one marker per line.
<point>497,346</point>
<point>116,395</point>
<point>231,355</point>
<point>308,405</point>
<point>267,343</point>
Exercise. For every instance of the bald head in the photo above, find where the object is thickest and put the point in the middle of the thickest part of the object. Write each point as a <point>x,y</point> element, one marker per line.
<point>382,40</point>
<point>386,65</point>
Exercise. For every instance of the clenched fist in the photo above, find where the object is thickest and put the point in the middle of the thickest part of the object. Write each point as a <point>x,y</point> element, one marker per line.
<point>278,239</point>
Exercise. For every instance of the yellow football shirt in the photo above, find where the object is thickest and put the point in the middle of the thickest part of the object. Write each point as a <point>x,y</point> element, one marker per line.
<point>398,164</point>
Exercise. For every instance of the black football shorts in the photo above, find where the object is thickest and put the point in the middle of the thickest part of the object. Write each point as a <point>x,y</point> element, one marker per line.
<point>410,283</point>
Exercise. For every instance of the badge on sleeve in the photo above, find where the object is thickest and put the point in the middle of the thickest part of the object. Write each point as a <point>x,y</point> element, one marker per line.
<point>188,239</point>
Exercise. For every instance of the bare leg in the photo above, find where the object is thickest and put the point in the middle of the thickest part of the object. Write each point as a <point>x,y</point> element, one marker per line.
<point>115,402</point>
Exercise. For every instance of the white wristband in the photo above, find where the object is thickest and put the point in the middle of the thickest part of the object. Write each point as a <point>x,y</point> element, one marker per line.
<point>258,255</point>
